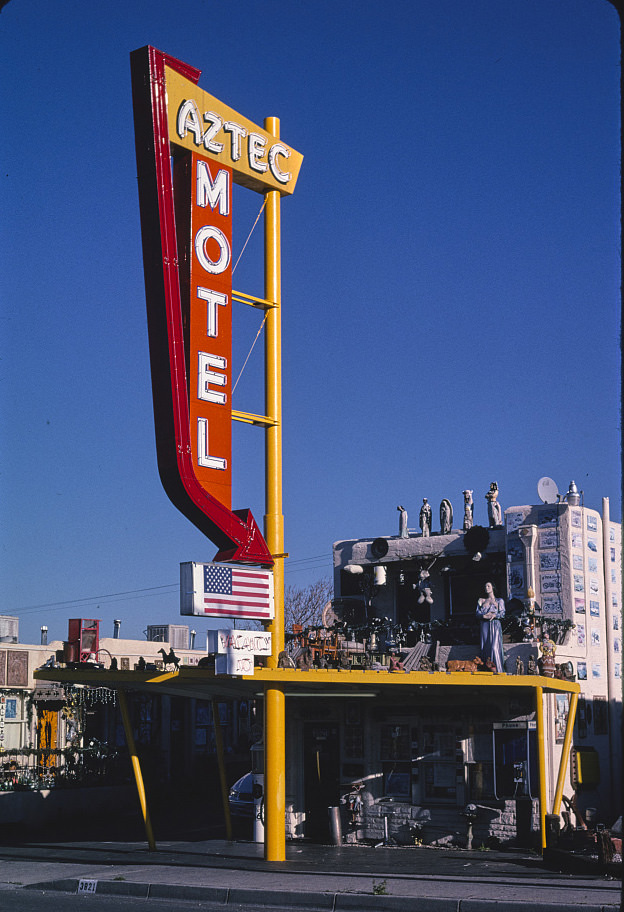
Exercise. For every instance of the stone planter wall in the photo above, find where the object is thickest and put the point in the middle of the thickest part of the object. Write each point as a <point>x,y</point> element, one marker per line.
<point>47,806</point>
<point>436,825</point>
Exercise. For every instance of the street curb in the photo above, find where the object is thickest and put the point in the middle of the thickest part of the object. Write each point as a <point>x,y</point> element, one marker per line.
<point>288,899</point>
<point>384,903</point>
<point>310,901</point>
<point>203,894</point>
<point>517,905</point>
<point>319,902</point>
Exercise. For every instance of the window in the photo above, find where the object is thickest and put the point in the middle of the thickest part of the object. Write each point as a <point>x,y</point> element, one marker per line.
<point>438,763</point>
<point>515,760</point>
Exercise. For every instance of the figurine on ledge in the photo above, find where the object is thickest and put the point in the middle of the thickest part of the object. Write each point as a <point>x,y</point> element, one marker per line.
<point>425,518</point>
<point>446,516</point>
<point>403,531</point>
<point>284,660</point>
<point>489,611</point>
<point>495,513</point>
<point>468,510</point>
<point>169,658</point>
<point>304,659</point>
<point>547,661</point>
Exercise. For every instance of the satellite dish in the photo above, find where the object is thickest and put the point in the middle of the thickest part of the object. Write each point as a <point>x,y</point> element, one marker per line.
<point>547,490</point>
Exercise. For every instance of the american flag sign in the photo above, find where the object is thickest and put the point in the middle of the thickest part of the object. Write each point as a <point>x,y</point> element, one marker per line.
<point>226,590</point>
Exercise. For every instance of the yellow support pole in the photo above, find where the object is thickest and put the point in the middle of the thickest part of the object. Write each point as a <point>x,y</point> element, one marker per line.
<point>274,702</point>
<point>221,764</point>
<point>275,773</point>
<point>136,766</point>
<point>541,760</point>
<point>565,753</point>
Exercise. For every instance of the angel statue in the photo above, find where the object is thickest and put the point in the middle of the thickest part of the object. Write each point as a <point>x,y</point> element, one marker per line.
<point>403,533</point>
<point>425,518</point>
<point>446,517</point>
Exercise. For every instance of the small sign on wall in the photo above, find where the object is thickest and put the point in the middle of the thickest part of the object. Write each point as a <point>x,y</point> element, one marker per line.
<point>17,669</point>
<point>224,642</point>
<point>235,663</point>
<point>235,649</point>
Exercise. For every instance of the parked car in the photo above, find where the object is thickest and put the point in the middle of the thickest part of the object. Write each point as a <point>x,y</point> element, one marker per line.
<point>241,798</point>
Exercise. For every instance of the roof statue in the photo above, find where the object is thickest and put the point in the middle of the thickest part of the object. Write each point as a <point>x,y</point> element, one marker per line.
<point>446,517</point>
<point>425,518</point>
<point>403,533</point>
<point>495,512</point>
<point>468,510</point>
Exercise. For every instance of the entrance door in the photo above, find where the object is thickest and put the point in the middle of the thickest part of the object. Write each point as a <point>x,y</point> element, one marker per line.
<point>47,730</point>
<point>321,774</point>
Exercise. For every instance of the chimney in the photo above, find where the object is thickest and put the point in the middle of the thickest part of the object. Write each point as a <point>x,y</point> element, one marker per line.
<point>117,625</point>
<point>193,635</point>
<point>44,635</point>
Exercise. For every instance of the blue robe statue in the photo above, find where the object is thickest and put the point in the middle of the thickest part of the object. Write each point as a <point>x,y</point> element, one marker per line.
<point>490,610</point>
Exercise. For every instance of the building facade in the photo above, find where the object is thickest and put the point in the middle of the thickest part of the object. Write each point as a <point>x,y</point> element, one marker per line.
<point>56,736</point>
<point>422,762</point>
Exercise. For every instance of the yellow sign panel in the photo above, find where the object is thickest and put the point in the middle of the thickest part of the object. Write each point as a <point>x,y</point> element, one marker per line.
<point>200,122</point>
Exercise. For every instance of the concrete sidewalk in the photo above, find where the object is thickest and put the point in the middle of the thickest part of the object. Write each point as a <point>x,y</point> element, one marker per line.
<point>312,877</point>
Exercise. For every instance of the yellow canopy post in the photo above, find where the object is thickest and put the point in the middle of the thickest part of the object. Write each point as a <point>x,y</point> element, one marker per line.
<point>565,753</point>
<point>221,764</point>
<point>541,760</point>
<point>136,767</point>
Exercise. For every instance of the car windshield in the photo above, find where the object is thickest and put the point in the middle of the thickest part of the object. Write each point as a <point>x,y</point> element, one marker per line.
<point>243,785</point>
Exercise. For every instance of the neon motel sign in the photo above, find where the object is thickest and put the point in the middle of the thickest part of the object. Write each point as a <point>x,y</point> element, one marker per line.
<point>190,148</point>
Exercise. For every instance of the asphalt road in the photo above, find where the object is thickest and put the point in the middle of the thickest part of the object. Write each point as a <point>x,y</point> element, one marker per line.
<point>32,901</point>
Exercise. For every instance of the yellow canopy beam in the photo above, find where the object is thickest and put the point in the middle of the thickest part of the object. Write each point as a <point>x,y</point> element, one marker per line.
<point>541,760</point>
<point>252,300</point>
<point>565,753</point>
<point>250,418</point>
<point>221,764</point>
<point>136,767</point>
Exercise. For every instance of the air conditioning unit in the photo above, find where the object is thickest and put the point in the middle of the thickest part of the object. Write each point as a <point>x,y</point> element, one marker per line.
<point>9,629</point>
<point>177,635</point>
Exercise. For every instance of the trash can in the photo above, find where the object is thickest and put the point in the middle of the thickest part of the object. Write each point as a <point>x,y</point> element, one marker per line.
<point>552,830</point>
<point>335,825</point>
<point>524,822</point>
<point>591,815</point>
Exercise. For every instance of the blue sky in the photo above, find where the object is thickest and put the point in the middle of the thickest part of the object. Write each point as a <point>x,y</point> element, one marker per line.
<point>451,278</point>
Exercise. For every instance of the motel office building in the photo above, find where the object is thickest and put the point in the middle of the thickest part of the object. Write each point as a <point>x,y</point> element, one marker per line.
<point>407,763</point>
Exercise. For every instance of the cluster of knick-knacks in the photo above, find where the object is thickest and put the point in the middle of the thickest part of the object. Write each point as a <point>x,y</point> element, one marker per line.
<point>425,518</point>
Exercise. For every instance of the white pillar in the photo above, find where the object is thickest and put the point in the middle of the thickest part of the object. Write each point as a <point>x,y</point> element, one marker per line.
<point>613,685</point>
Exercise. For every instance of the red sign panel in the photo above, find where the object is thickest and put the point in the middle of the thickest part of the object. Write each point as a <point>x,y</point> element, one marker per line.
<point>204,227</point>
